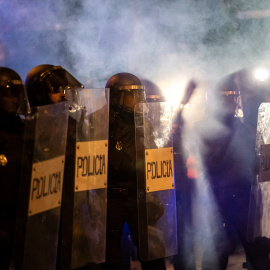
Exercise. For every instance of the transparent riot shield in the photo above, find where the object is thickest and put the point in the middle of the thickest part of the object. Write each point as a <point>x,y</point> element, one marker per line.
<point>156,192</point>
<point>85,186</point>
<point>259,212</point>
<point>40,195</point>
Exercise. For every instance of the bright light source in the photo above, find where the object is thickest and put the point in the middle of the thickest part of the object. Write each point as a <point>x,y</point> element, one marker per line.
<point>173,91</point>
<point>262,75</point>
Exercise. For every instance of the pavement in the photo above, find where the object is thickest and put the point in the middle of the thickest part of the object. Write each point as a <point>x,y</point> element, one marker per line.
<point>236,261</point>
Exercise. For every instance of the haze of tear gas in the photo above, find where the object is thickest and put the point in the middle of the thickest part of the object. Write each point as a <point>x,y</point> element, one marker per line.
<point>167,42</point>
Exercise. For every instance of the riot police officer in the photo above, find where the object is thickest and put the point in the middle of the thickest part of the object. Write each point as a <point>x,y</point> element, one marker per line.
<point>13,101</point>
<point>126,90</point>
<point>48,84</point>
<point>227,155</point>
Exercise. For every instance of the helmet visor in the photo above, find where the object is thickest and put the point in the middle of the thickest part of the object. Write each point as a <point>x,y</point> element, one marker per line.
<point>13,98</point>
<point>131,98</point>
<point>232,105</point>
<point>58,79</point>
<point>61,82</point>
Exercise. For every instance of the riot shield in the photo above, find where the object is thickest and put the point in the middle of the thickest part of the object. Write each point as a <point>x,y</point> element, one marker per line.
<point>40,195</point>
<point>85,184</point>
<point>156,192</point>
<point>259,217</point>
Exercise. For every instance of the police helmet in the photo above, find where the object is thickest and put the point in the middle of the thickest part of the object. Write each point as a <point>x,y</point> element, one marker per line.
<point>13,97</point>
<point>44,80</point>
<point>152,92</point>
<point>126,90</point>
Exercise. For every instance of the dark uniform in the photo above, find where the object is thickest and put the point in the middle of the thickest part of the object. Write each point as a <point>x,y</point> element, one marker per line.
<point>48,84</point>
<point>12,94</point>
<point>227,152</point>
<point>122,173</point>
<point>228,161</point>
<point>11,148</point>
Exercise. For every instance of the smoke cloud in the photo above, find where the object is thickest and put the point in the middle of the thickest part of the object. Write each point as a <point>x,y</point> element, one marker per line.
<point>168,42</point>
<point>157,39</point>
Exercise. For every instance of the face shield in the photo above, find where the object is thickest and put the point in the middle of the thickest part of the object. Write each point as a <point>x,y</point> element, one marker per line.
<point>130,96</point>
<point>231,103</point>
<point>13,97</point>
<point>63,87</point>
